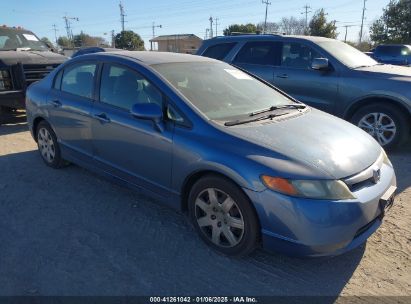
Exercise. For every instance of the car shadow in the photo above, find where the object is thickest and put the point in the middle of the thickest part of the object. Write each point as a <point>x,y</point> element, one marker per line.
<point>401,161</point>
<point>14,122</point>
<point>70,232</point>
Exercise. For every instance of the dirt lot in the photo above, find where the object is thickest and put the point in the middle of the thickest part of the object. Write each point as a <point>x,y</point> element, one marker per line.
<point>69,232</point>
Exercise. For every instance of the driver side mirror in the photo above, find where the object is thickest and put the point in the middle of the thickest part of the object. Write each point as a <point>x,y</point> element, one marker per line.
<point>320,64</point>
<point>148,111</point>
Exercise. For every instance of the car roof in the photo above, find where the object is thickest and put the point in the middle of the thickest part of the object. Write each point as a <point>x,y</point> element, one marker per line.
<point>394,44</point>
<point>151,58</point>
<point>252,37</point>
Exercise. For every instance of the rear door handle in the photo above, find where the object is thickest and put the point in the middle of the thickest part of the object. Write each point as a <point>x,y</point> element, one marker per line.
<point>56,103</point>
<point>282,76</point>
<point>102,117</point>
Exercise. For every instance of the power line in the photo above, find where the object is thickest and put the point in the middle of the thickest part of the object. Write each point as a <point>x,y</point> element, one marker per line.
<point>306,12</point>
<point>211,26</point>
<point>266,11</point>
<point>362,21</point>
<point>55,32</point>
<point>122,15</point>
<point>68,27</point>
<point>154,33</point>
<point>346,30</point>
<point>113,39</point>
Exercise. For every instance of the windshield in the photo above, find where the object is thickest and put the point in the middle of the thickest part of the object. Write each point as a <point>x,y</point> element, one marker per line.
<point>219,90</point>
<point>346,54</point>
<point>13,39</point>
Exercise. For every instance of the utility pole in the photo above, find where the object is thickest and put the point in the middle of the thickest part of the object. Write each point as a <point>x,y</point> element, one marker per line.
<point>346,30</point>
<point>266,11</point>
<point>306,12</point>
<point>154,33</point>
<point>216,26</point>
<point>122,15</point>
<point>68,27</point>
<point>211,26</point>
<point>362,20</point>
<point>55,32</point>
<point>206,35</point>
<point>113,39</point>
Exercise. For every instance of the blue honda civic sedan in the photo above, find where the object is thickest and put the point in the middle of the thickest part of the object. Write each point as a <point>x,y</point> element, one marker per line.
<point>251,165</point>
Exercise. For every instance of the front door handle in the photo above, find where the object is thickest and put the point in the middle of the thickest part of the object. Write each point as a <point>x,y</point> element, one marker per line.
<point>102,117</point>
<point>56,103</point>
<point>282,76</point>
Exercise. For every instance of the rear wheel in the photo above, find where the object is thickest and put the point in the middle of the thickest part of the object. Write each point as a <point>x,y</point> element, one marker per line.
<point>387,124</point>
<point>48,146</point>
<point>223,216</point>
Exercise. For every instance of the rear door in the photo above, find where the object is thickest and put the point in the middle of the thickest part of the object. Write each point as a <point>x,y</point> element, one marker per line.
<point>259,58</point>
<point>295,76</point>
<point>71,101</point>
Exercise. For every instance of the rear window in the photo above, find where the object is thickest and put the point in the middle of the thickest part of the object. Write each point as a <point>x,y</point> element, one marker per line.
<point>262,52</point>
<point>219,51</point>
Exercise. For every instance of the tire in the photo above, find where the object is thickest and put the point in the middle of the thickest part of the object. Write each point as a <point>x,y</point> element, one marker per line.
<point>48,146</point>
<point>227,223</point>
<point>392,124</point>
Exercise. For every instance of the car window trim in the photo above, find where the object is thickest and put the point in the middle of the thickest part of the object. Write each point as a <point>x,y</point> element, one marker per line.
<point>314,47</point>
<point>257,41</point>
<point>165,99</point>
<point>92,99</point>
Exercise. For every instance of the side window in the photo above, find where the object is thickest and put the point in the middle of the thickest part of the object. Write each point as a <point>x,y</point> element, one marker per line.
<point>79,79</point>
<point>219,51</point>
<point>297,55</point>
<point>265,53</point>
<point>174,115</point>
<point>123,88</point>
<point>57,80</point>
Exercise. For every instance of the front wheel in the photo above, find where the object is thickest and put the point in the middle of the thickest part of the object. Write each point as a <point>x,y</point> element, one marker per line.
<point>385,123</point>
<point>223,216</point>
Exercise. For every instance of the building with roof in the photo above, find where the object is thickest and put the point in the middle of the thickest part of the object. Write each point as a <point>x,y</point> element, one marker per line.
<point>178,43</point>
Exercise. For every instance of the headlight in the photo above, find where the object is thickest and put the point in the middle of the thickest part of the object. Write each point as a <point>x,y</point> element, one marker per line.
<point>5,80</point>
<point>315,189</point>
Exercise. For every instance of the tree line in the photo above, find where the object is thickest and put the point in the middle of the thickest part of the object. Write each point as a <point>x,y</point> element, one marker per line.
<point>127,40</point>
<point>394,26</point>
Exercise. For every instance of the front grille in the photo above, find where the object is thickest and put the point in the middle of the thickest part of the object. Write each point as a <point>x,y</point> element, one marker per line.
<point>35,72</point>
<point>366,177</point>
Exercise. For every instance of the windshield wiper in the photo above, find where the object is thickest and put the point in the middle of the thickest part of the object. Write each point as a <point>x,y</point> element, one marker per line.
<point>240,122</point>
<point>273,108</point>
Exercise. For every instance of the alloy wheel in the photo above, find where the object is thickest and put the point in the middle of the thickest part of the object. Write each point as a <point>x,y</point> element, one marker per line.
<point>219,217</point>
<point>46,145</point>
<point>380,126</point>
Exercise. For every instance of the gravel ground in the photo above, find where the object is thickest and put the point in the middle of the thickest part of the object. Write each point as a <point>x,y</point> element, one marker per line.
<point>69,232</point>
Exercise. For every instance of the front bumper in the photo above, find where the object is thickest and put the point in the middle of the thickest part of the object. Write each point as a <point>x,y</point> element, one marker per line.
<point>12,99</point>
<point>306,227</point>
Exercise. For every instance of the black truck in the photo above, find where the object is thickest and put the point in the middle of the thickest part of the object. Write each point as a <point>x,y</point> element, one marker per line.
<point>24,59</point>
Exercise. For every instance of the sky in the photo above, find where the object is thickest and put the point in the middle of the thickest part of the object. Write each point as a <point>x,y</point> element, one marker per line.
<point>100,17</point>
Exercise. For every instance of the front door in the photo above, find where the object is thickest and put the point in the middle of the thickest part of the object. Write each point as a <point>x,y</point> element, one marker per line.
<point>127,147</point>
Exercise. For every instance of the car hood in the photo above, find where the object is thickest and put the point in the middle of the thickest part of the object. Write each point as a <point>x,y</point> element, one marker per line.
<point>320,140</point>
<point>8,58</point>
<point>387,71</point>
